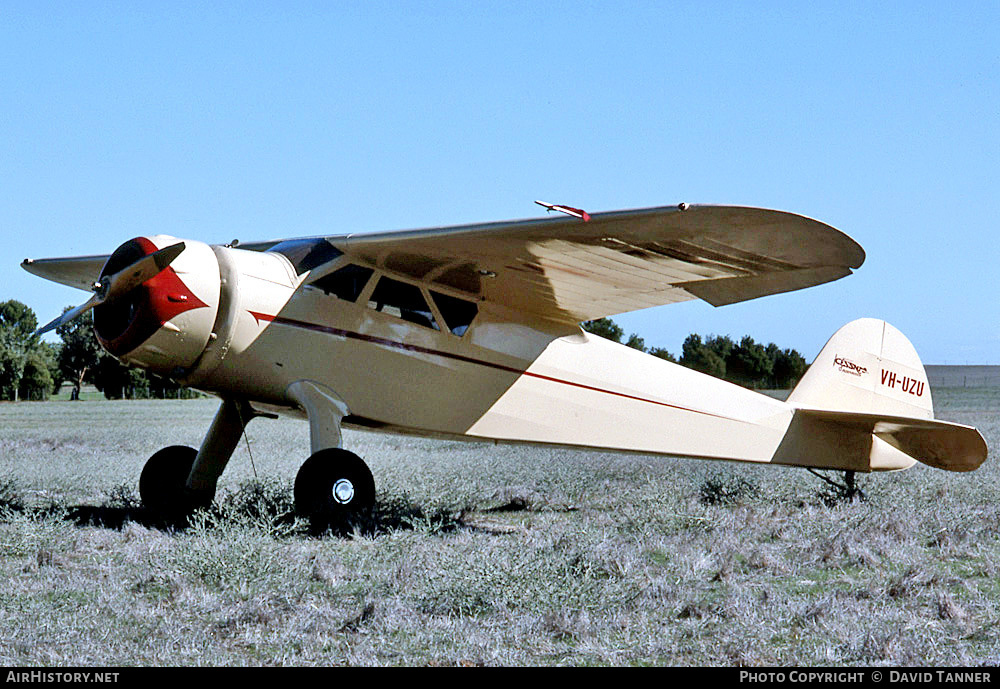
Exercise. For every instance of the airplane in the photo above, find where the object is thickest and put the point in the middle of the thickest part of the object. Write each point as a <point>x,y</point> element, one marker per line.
<point>473,332</point>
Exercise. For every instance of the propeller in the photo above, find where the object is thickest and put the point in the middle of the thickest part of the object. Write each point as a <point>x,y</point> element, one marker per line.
<point>112,287</point>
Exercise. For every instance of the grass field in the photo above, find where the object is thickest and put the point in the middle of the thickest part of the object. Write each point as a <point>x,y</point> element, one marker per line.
<point>483,554</point>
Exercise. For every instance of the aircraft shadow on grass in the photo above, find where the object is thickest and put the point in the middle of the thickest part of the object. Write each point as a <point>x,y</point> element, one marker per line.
<point>390,513</point>
<point>384,517</point>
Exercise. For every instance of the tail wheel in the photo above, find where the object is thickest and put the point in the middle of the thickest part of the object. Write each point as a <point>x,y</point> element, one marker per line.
<point>163,483</point>
<point>334,489</point>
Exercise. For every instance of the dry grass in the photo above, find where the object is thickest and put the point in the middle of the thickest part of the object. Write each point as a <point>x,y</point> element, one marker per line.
<point>485,554</point>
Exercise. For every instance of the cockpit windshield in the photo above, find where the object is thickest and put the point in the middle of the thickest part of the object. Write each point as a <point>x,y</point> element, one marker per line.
<point>306,254</point>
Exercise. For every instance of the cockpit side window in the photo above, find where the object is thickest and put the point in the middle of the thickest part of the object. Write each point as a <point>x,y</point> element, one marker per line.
<point>457,313</point>
<point>345,283</point>
<point>403,301</point>
<point>306,254</point>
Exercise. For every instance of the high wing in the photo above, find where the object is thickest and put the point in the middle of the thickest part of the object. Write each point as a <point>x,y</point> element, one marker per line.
<point>569,270</point>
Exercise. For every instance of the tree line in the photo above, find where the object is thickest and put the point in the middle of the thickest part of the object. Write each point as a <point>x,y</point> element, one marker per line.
<point>32,369</point>
<point>746,363</point>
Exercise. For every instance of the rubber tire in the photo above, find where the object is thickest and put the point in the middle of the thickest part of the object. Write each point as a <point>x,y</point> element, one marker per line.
<point>314,490</point>
<point>163,483</point>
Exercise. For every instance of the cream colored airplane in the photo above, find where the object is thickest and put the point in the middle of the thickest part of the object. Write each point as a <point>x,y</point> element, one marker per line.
<point>473,332</point>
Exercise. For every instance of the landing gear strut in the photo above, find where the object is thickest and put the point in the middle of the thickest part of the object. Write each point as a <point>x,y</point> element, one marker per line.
<point>178,480</point>
<point>334,489</point>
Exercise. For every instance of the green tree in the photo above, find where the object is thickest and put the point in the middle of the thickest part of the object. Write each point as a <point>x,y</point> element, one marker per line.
<point>661,353</point>
<point>17,342</point>
<point>83,360</point>
<point>722,345</point>
<point>609,330</point>
<point>704,357</point>
<point>118,381</point>
<point>50,353</point>
<point>36,382</point>
<point>80,352</point>
<point>164,388</point>
<point>12,361</point>
<point>789,367</point>
<point>19,319</point>
<point>748,364</point>
<point>636,342</point>
<point>606,328</point>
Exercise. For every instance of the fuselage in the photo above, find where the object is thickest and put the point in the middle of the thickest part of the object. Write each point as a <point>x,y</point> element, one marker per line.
<point>496,377</point>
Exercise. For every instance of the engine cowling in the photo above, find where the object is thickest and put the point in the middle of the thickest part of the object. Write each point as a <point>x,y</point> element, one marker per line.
<point>165,323</point>
<point>209,302</point>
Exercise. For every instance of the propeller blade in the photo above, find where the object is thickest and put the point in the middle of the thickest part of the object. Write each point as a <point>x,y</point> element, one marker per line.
<point>124,281</point>
<point>146,268</point>
<point>69,315</point>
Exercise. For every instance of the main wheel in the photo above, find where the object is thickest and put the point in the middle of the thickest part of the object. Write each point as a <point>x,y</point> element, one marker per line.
<point>163,483</point>
<point>334,489</point>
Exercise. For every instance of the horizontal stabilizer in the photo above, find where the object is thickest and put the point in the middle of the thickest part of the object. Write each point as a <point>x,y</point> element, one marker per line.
<point>939,444</point>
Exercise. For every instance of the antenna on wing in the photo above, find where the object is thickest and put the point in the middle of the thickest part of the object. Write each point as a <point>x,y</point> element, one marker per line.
<point>575,212</point>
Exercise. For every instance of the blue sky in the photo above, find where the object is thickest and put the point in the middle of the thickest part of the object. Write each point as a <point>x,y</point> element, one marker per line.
<point>216,121</point>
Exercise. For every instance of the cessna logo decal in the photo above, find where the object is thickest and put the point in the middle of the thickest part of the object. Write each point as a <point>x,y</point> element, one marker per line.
<point>847,366</point>
<point>904,383</point>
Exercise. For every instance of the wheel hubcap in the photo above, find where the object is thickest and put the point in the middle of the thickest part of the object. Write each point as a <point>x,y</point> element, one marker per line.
<point>343,491</point>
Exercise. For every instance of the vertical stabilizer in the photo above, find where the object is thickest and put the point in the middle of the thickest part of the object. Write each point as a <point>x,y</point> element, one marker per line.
<point>869,367</point>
